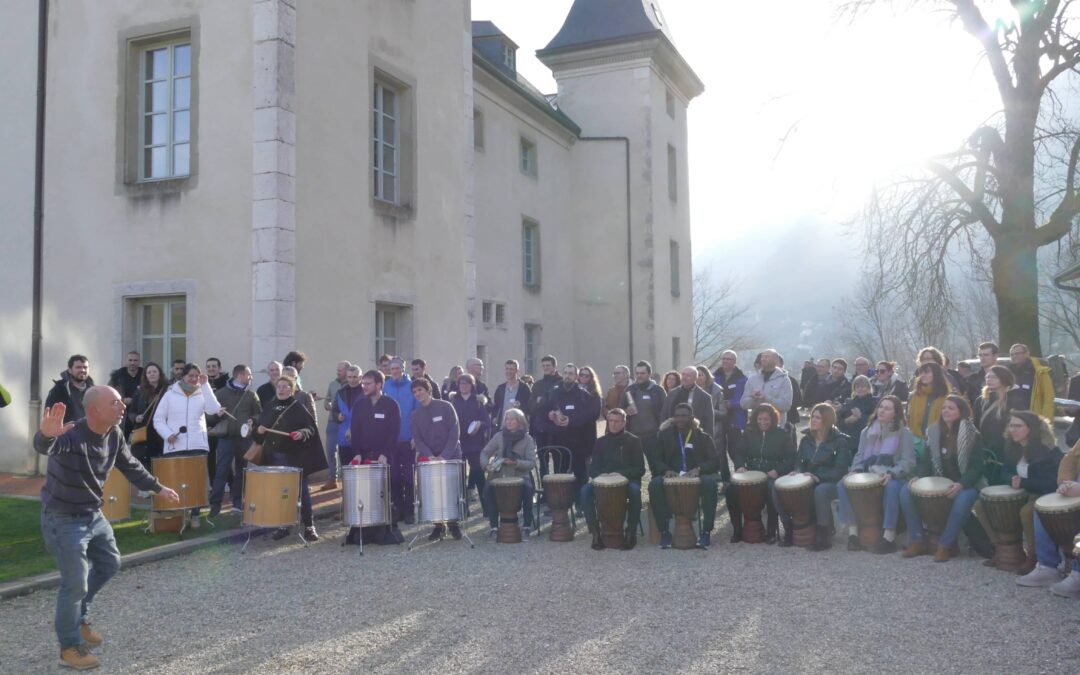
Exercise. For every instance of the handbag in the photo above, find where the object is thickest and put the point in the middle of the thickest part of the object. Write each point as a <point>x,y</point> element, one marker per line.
<point>221,429</point>
<point>139,434</point>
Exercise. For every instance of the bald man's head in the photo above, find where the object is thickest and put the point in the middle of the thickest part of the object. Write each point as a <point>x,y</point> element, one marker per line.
<point>104,408</point>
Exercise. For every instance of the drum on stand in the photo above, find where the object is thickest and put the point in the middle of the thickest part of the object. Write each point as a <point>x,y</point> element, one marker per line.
<point>932,501</point>
<point>611,493</point>
<point>559,489</point>
<point>440,493</point>
<point>1002,504</point>
<point>1060,516</point>
<point>271,496</point>
<point>116,497</point>
<point>508,492</point>
<point>682,496</point>
<point>866,491</point>
<point>189,477</point>
<point>751,490</point>
<point>365,495</point>
<point>796,494</point>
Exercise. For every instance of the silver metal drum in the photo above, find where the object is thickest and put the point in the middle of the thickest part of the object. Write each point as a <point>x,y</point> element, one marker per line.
<point>439,490</point>
<point>365,495</point>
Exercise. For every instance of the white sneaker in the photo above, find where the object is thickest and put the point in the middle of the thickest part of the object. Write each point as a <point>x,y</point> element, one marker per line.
<point>1069,587</point>
<point>193,523</point>
<point>1040,576</point>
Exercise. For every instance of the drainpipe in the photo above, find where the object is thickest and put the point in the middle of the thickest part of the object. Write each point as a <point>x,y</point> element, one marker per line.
<point>34,411</point>
<point>629,242</point>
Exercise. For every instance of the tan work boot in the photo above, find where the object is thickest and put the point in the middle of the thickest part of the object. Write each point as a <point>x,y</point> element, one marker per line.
<point>914,549</point>
<point>943,554</point>
<point>78,658</point>
<point>89,635</point>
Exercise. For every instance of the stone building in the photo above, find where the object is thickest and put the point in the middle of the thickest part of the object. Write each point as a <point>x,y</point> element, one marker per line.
<point>226,179</point>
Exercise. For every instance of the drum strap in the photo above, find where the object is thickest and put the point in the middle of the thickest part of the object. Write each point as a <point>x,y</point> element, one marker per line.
<point>682,445</point>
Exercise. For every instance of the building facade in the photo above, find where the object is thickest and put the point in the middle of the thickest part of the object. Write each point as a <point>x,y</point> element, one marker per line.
<point>223,179</point>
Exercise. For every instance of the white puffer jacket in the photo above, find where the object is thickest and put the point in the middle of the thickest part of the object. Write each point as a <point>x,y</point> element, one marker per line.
<point>177,409</point>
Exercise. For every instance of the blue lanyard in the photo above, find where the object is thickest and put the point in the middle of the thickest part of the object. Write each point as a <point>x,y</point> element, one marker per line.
<point>682,445</point>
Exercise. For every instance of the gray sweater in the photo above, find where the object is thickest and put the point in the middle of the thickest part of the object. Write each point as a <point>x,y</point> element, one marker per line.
<point>435,430</point>
<point>79,463</point>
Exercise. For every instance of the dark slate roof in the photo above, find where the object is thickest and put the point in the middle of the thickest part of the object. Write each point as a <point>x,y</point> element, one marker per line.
<point>485,29</point>
<point>598,21</point>
<point>527,91</point>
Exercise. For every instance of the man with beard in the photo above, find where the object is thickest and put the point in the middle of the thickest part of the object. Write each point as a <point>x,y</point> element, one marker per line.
<point>541,394</point>
<point>570,414</point>
<point>71,387</point>
<point>644,402</point>
<point>126,380</point>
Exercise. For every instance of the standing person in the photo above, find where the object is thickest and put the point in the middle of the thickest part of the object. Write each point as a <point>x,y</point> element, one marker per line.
<point>373,432</point>
<point>684,449</point>
<point>591,384</point>
<point>177,370</point>
<point>267,391</point>
<point>296,360</point>
<point>644,402</point>
<point>237,398</point>
<point>614,396</point>
<point>771,385</point>
<point>955,453</point>
<point>341,410</point>
<point>1033,378</point>
<point>474,426</point>
<point>733,382</point>
<point>141,414</point>
<point>214,376</point>
<point>617,452</point>
<point>707,384</point>
<point>384,365</point>
<point>71,387</point>
<point>450,381</point>
<point>399,388</point>
<point>697,398</point>
<point>988,357</point>
<point>862,367</point>
<point>301,448</point>
<point>475,367</point>
<point>793,415</point>
<point>887,382</point>
<point>934,355</point>
<point>180,417</point>
<point>511,453</point>
<point>435,436</point>
<point>999,397</point>
<point>81,454</point>
<point>670,381</point>
<point>510,394</point>
<point>887,449</point>
<point>418,369</point>
<point>541,396</point>
<point>126,380</point>
<point>332,389</point>
<point>571,414</point>
<point>824,454</point>
<point>768,447</point>
<point>814,378</point>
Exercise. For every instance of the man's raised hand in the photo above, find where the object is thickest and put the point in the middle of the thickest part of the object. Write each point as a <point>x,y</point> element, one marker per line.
<point>52,425</point>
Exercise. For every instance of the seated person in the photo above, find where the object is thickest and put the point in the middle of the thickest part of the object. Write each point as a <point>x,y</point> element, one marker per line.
<point>1046,551</point>
<point>853,415</point>
<point>435,436</point>
<point>824,454</point>
<point>683,449</point>
<point>767,447</point>
<point>616,452</point>
<point>886,448</point>
<point>956,452</point>
<point>517,451</point>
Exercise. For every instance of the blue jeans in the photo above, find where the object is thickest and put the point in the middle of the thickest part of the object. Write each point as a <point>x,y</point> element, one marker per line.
<point>1046,550</point>
<point>87,557</point>
<point>228,450</point>
<point>633,507</point>
<point>331,447</point>
<point>890,501</point>
<point>961,511</point>
<point>488,496</point>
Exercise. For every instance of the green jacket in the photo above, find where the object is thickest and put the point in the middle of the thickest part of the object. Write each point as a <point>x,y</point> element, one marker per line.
<point>773,451</point>
<point>618,453</point>
<point>700,451</point>
<point>828,460</point>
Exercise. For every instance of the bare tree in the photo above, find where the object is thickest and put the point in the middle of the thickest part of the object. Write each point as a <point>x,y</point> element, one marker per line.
<point>1060,313</point>
<point>1010,189</point>
<point>720,320</point>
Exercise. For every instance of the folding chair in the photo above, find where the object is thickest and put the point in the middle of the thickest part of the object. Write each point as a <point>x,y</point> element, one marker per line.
<point>551,459</point>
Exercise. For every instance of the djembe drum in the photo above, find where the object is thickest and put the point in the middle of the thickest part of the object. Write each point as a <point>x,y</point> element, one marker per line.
<point>508,493</point>
<point>1002,504</point>
<point>796,494</point>
<point>1060,515</point>
<point>751,490</point>
<point>865,491</point>
<point>932,501</point>
<point>559,491</point>
<point>682,497</point>
<point>610,494</point>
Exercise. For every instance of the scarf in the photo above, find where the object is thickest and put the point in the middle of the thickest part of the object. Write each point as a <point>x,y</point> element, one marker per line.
<point>510,438</point>
<point>188,389</point>
<point>923,409</point>
<point>881,442</point>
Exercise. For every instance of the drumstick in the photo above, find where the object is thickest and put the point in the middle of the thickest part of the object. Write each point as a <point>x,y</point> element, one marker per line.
<point>225,412</point>
<point>279,433</point>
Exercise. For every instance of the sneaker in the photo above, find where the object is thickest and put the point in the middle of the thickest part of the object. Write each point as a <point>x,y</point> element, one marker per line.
<point>214,511</point>
<point>1040,576</point>
<point>310,535</point>
<point>280,533</point>
<point>704,541</point>
<point>193,522</point>
<point>78,658</point>
<point>436,533</point>
<point>455,531</point>
<point>493,532</point>
<point>665,540</point>
<point>526,532</point>
<point>853,543</point>
<point>1069,587</point>
<point>89,635</point>
<point>884,546</point>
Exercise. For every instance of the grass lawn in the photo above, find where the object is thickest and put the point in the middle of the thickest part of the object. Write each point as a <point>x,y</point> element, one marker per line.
<point>22,550</point>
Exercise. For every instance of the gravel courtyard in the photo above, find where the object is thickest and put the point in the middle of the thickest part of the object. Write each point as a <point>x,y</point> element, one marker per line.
<point>547,607</point>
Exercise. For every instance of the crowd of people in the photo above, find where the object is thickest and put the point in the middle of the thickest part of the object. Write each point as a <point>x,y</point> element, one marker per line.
<point>990,425</point>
